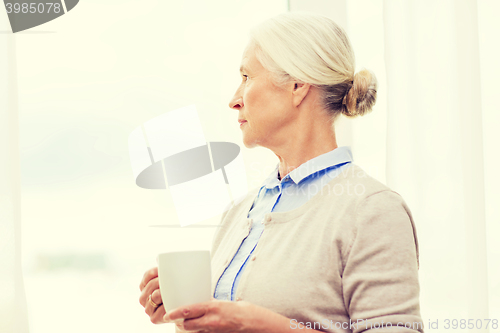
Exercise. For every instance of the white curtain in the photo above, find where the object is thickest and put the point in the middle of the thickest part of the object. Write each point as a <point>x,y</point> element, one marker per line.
<point>432,138</point>
<point>13,314</point>
<point>436,150</point>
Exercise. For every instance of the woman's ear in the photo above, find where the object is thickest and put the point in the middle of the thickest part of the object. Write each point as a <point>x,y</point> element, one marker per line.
<point>300,91</point>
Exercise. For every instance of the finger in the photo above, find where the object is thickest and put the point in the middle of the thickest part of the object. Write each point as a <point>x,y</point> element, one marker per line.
<point>181,328</point>
<point>150,309</point>
<point>148,290</point>
<point>187,312</point>
<point>148,276</point>
<point>156,297</point>
<point>210,321</point>
<point>194,325</point>
<point>157,316</point>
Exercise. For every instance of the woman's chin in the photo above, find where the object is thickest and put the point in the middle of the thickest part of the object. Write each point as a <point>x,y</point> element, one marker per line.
<point>249,143</point>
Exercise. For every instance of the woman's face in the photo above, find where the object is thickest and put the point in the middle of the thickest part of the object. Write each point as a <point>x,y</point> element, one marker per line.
<point>264,109</point>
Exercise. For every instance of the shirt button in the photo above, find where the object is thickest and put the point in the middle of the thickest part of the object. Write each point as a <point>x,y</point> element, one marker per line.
<point>225,262</point>
<point>238,299</point>
<point>268,219</point>
<point>253,258</point>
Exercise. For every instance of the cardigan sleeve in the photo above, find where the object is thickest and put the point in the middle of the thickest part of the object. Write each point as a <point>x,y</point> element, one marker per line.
<point>380,276</point>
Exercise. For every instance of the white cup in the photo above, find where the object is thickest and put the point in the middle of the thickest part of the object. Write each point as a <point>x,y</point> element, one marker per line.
<point>185,278</point>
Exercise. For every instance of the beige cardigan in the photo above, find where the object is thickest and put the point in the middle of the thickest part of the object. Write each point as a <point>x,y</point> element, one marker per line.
<point>348,254</point>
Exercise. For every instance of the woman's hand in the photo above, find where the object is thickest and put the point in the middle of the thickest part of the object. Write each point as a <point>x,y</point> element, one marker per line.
<point>150,286</point>
<point>225,317</point>
<point>214,316</point>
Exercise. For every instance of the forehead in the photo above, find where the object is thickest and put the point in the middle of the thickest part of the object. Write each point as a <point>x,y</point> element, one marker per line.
<point>249,61</point>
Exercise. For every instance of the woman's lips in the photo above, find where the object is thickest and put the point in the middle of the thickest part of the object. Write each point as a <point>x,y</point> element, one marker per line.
<point>241,121</point>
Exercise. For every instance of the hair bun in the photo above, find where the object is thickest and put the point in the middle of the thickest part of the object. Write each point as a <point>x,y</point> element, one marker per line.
<point>361,96</point>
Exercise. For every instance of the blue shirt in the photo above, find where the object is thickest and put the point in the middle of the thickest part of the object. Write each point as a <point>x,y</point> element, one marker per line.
<point>275,195</point>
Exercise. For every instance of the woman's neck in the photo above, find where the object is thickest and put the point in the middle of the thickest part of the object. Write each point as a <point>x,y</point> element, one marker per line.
<point>302,148</point>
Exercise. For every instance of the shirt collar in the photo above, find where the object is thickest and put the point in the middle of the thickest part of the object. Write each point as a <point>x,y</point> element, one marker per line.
<point>333,158</point>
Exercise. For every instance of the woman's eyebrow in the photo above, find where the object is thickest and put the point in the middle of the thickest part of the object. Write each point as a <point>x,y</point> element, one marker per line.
<point>243,69</point>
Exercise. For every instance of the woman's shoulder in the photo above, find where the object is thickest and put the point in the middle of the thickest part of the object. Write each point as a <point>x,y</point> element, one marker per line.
<point>355,182</point>
<point>378,209</point>
<point>354,187</point>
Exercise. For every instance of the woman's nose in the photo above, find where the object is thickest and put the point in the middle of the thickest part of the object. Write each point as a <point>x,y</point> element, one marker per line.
<point>236,102</point>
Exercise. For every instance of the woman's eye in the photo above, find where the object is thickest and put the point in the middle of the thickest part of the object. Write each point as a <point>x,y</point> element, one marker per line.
<point>245,77</point>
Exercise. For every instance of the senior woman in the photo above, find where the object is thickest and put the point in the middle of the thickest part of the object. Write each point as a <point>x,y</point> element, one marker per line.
<point>320,245</point>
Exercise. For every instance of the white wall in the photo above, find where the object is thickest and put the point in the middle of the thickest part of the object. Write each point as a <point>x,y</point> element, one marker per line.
<point>86,80</point>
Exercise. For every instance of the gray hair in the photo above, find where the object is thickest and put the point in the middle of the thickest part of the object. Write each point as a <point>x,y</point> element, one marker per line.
<point>313,49</point>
